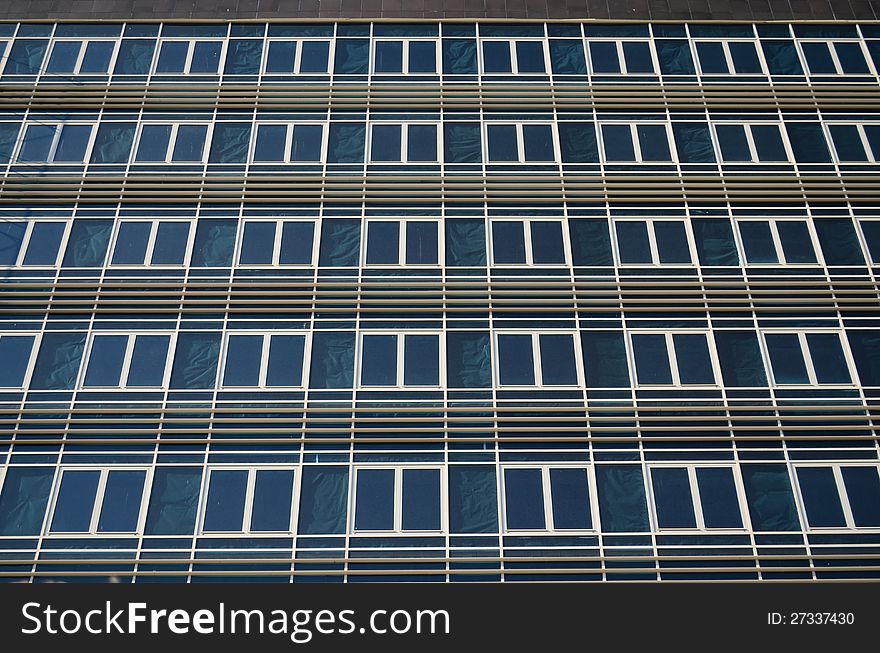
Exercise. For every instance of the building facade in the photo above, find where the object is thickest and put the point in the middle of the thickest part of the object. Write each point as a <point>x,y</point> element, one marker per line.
<point>439,301</point>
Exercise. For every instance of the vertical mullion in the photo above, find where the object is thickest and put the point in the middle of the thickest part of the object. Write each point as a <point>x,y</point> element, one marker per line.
<point>695,497</point>
<point>549,525</point>
<point>99,501</point>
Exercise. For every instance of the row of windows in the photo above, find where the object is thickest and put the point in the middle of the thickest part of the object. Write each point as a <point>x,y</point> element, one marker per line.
<point>423,242</point>
<point>415,358</point>
<point>435,499</point>
<point>310,55</point>
<point>532,142</point>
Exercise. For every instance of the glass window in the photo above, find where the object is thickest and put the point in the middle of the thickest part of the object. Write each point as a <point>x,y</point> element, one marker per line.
<point>520,143</point>
<point>406,242</point>
<point>86,57</point>
<point>653,242</point>
<point>400,360</point>
<point>547,499</point>
<point>840,496</point>
<point>264,360</point>
<point>397,499</point>
<point>695,497</point>
<point>177,143</point>
<point>46,143</point>
<point>518,57</point>
<point>673,359</point>
<point>15,352</point>
<point>405,57</point>
<point>403,143</point>
<point>771,242</point>
<point>871,232</point>
<point>728,58</point>
<point>127,361</point>
<point>184,57</point>
<point>154,242</point>
<point>299,143</point>
<point>279,243</point>
<point>635,142</point>
<point>855,143</point>
<point>545,359</point>
<point>288,57</point>
<point>835,58</point>
<point>99,501</point>
<point>528,242</point>
<point>807,358</point>
<point>249,500</point>
<point>750,143</point>
<point>44,243</point>
<point>613,57</point>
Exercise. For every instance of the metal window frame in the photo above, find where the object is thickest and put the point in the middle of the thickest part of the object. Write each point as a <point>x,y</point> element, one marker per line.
<point>843,495</point>
<point>172,141</point>
<point>514,62</point>
<point>673,359</point>
<point>290,127</point>
<point>527,236</point>
<point>84,43</point>
<point>187,64</point>
<point>777,242</point>
<point>398,469</point>
<point>406,40</point>
<point>400,334</point>
<point>151,242</point>
<point>32,358</point>
<point>401,243</point>
<point>276,244</point>
<point>297,57</point>
<point>264,358</point>
<point>621,57</point>
<point>536,358</point>
<point>807,356</point>
<point>652,242</point>
<point>126,361</point>
<point>549,526</point>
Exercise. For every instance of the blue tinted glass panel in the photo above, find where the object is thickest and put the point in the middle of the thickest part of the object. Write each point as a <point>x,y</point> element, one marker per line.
<point>768,143</point>
<point>37,143</point>
<point>821,498</point>
<point>603,57</point>
<point>524,499</point>
<point>172,57</point>
<point>97,57</point>
<point>421,500</point>
<point>538,143</point>
<point>422,57</point>
<point>863,491</point>
<point>15,352</point>
<point>76,501</point>
<point>516,364</point>
<point>745,57</point>
<point>122,501</point>
<point>44,243</point>
<point>153,144</point>
<point>421,360</point>
<point>385,145</point>
<point>653,142</point>
<point>285,366</point>
<point>733,142</point>
<point>502,143</point>
<point>131,243</point>
<point>852,59</point>
<point>508,242</point>
<point>224,509</point>
<point>718,497</point>
<point>11,238</point>
<point>652,359</point>
<point>421,143</point>
<point>306,145</point>
<point>786,358</point>
<point>871,230</point>
<point>148,361</point>
<point>547,241</point>
<point>712,59</point>
<point>383,243</point>
<point>819,58</point>
<point>758,242</point>
<point>693,359</point>
<point>570,496</point>
<point>848,143</point>
<point>270,143</point>
<point>205,57</point>
<point>637,55</point>
<point>618,143</point>
<point>796,242</point>
<point>63,57</point>
<point>379,360</point>
<point>672,498</point>
<point>281,57</point>
<point>389,56</point>
<point>374,502</point>
<point>672,243</point>
<point>315,55</point>
<point>273,497</point>
<point>190,143</point>
<point>557,360</point>
<point>496,57</point>
<point>632,242</point>
<point>421,243</point>
<point>297,243</point>
<point>171,241</point>
<point>243,357</point>
<point>530,57</point>
<point>257,243</point>
<point>105,361</point>
<point>828,359</point>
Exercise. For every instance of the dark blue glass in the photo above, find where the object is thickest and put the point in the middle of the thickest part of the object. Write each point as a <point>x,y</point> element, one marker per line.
<point>712,59</point>
<point>421,243</point>
<point>829,361</point>
<point>768,143</point>
<point>76,501</point>
<point>148,358</point>
<point>97,57</point>
<point>422,57</point>
<point>270,143</point>
<point>733,142</point>
<point>852,59</point>
<point>314,57</point>
<point>122,501</point>
<point>170,245</point>
<point>524,499</point>
<point>421,143</point>
<point>72,143</point>
<point>281,57</point>
<point>603,57</point>
<point>297,243</point>
<point>273,497</point>
<point>863,490</point>
<point>787,358</point>
<point>672,498</point>
<point>871,230</point>
<point>190,143</point>
<point>848,143</point>
<point>285,366</point>
<point>797,245</point>
<point>383,243</point>
<point>224,508</point>
<point>538,143</point>
<point>618,143</point>
<point>502,143</point>
<point>530,57</point>
<point>496,57</point>
<point>389,56</point>
<point>692,357</point>
<point>172,57</point>
<point>508,242</point>
<point>718,497</point>
<point>637,55</point>
<point>153,144</point>
<point>306,145</point>
<point>385,145</point>
<point>15,352</point>
<point>821,498</point>
<point>257,243</point>
<point>421,500</point>
<point>374,501</point>
<point>653,142</point>
<point>11,238</point>
<point>379,361</point>
<point>243,357</point>
<point>652,359</point>
<point>205,57</point>
<point>547,241</point>
<point>632,241</point>
<point>63,57</point>
<point>421,360</point>
<point>37,143</point>
<point>570,496</point>
<point>819,58</point>
<point>105,361</point>
<point>131,243</point>
<point>557,359</point>
<point>672,243</point>
<point>44,243</point>
<point>758,241</point>
<point>515,360</point>
<point>745,57</point>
